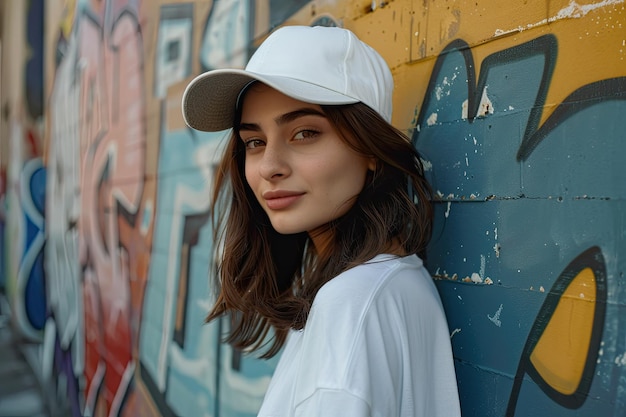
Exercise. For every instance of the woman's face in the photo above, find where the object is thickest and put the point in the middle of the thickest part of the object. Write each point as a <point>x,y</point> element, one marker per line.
<point>300,170</point>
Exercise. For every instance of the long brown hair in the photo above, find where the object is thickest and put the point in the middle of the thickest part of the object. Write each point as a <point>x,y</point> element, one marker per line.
<point>267,281</point>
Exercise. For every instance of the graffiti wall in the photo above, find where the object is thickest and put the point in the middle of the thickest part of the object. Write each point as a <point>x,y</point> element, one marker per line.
<point>517,109</point>
<point>22,194</point>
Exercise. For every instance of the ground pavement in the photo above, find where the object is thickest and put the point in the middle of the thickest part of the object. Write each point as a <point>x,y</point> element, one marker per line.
<point>20,390</point>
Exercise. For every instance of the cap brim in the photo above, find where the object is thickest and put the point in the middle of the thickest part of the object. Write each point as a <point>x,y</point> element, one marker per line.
<point>209,100</point>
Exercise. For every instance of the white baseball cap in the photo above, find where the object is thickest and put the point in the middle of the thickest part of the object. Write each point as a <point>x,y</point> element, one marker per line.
<point>319,65</point>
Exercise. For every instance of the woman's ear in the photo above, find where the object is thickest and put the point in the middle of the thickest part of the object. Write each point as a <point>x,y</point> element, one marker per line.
<point>371,164</point>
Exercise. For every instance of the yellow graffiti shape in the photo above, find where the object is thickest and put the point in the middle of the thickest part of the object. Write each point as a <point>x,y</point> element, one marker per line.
<point>561,351</point>
<point>67,19</point>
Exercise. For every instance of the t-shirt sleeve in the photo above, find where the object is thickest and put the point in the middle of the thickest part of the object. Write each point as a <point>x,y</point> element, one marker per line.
<point>376,345</point>
<point>352,352</point>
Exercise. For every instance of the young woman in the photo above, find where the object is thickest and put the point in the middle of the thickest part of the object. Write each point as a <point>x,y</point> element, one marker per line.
<point>323,208</point>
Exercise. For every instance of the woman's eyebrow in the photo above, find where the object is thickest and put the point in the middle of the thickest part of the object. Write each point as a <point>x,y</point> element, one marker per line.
<point>284,118</point>
<point>253,127</point>
<point>293,115</point>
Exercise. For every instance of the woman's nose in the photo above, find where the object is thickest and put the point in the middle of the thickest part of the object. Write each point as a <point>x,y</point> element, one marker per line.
<point>274,163</point>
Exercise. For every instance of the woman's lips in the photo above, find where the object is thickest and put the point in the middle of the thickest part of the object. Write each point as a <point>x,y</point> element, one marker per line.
<point>279,200</point>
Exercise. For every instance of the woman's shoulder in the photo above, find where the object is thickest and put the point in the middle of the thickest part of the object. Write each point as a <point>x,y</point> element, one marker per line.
<point>383,275</point>
<point>392,290</point>
<point>379,270</point>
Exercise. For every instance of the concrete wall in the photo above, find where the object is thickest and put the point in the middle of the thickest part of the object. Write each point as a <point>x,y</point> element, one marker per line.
<point>517,107</point>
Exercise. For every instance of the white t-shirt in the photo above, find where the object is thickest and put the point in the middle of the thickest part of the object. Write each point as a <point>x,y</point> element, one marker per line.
<point>376,343</point>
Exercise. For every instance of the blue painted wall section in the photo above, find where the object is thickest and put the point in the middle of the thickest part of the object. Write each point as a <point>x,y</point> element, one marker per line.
<point>522,208</point>
<point>34,73</point>
<point>31,309</point>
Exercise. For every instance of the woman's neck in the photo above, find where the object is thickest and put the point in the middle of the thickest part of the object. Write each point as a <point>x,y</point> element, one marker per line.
<point>395,248</point>
<point>321,238</point>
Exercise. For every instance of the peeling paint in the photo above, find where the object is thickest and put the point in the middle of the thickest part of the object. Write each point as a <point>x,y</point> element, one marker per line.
<point>444,276</point>
<point>496,317</point>
<point>572,11</point>
<point>476,278</point>
<point>486,106</point>
<point>447,213</point>
<point>375,5</point>
<point>483,263</point>
<point>455,331</point>
<point>432,119</point>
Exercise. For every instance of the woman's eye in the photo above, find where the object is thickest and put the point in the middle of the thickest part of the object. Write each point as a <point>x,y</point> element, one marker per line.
<point>305,134</point>
<point>253,143</point>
